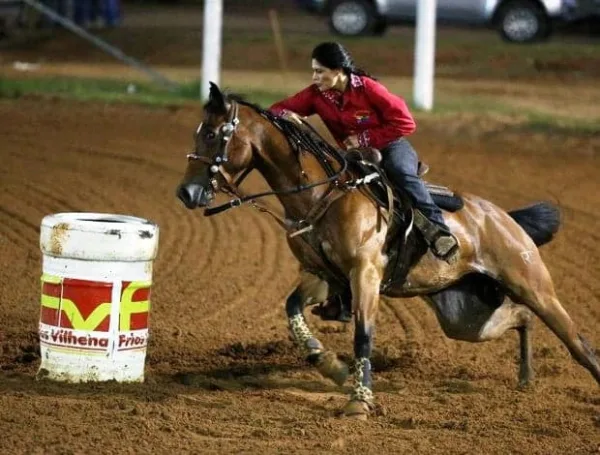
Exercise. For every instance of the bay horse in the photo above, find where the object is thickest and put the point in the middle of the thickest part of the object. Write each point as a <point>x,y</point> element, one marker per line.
<point>343,233</point>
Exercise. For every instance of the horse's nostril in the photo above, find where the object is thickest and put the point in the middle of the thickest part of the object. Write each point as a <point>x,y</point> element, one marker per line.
<point>185,196</point>
<point>191,195</point>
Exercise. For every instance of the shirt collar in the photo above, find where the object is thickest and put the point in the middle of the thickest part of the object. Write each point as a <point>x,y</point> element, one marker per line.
<point>337,97</point>
<point>356,81</point>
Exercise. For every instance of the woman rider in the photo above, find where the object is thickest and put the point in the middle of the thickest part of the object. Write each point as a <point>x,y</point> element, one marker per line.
<point>360,112</point>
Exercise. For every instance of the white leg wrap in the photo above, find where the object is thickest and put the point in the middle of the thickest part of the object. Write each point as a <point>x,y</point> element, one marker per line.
<point>303,336</point>
<point>361,392</point>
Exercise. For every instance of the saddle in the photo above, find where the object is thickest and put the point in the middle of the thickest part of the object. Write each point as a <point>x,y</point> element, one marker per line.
<point>366,160</point>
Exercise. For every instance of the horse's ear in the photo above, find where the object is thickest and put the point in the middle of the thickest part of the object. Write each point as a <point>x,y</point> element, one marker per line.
<point>216,98</point>
<point>213,89</point>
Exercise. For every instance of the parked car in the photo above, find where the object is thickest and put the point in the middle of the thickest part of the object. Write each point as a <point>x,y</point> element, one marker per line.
<point>516,20</point>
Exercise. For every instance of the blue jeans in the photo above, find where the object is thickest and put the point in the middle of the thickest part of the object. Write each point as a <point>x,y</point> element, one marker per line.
<point>400,163</point>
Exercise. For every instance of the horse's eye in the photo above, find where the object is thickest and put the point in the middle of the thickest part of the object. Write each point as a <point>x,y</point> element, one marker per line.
<point>210,135</point>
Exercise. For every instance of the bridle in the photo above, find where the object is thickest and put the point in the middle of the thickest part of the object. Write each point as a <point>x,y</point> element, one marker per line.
<point>226,132</point>
<point>216,163</point>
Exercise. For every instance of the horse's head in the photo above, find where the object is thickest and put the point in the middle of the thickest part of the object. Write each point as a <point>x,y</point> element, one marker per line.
<point>222,154</point>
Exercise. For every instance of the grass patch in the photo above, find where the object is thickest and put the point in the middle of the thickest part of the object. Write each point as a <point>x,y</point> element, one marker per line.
<point>473,104</point>
<point>551,125</point>
<point>88,89</point>
<point>529,119</point>
<point>110,90</point>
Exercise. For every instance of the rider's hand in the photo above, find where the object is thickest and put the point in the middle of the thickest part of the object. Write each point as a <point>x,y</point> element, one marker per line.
<point>351,142</point>
<point>292,117</point>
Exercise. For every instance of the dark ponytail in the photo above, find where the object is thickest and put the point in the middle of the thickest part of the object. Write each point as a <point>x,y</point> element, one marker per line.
<point>335,56</point>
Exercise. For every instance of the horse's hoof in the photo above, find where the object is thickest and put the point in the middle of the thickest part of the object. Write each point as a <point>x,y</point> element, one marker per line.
<point>525,385</point>
<point>356,409</point>
<point>525,381</point>
<point>333,368</point>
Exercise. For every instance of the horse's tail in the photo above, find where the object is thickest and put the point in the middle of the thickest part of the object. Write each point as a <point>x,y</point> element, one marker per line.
<point>541,221</point>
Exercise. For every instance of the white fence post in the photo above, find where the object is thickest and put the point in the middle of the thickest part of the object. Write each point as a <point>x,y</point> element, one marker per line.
<point>211,45</point>
<point>425,54</point>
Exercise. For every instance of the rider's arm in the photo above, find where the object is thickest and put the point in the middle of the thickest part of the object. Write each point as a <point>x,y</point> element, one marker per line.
<point>396,119</point>
<point>301,103</point>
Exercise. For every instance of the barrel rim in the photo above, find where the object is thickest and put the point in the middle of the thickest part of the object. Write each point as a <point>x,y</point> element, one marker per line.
<point>96,221</point>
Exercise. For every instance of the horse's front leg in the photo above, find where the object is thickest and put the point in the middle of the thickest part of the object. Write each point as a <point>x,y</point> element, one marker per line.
<point>365,280</point>
<point>326,362</point>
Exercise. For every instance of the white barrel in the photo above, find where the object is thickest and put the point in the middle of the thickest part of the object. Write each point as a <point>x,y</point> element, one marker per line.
<point>95,296</point>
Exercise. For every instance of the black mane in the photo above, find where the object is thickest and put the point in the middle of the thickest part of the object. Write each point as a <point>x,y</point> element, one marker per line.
<point>213,107</point>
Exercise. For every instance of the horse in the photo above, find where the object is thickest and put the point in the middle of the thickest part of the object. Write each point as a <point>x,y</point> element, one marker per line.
<point>345,232</point>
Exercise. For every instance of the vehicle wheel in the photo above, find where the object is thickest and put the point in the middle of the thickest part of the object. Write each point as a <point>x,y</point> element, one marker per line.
<point>522,22</point>
<point>352,18</point>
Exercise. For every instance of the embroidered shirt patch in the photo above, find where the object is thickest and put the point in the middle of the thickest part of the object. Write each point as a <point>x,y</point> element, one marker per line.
<point>362,116</point>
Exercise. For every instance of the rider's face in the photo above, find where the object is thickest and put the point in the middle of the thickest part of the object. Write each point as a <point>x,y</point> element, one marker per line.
<point>325,78</point>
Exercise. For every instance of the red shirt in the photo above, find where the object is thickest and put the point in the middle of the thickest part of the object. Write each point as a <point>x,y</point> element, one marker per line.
<point>366,109</point>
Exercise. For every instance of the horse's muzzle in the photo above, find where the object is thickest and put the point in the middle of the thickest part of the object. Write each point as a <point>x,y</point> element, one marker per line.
<point>194,195</point>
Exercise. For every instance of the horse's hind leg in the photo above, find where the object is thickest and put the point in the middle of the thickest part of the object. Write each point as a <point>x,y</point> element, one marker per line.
<point>473,310</point>
<point>513,316</point>
<point>325,361</point>
<point>526,373</point>
<point>531,285</point>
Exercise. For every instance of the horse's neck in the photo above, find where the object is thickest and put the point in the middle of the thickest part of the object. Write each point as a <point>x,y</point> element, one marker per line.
<point>282,170</point>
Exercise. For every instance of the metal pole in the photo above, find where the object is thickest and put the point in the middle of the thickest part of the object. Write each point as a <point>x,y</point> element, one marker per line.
<point>211,45</point>
<point>117,53</point>
<point>425,54</point>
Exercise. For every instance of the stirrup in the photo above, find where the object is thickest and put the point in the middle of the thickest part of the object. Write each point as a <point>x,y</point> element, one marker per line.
<point>442,242</point>
<point>445,246</point>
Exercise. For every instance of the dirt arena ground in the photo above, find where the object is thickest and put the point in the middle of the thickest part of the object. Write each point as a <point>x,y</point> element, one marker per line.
<point>222,373</point>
